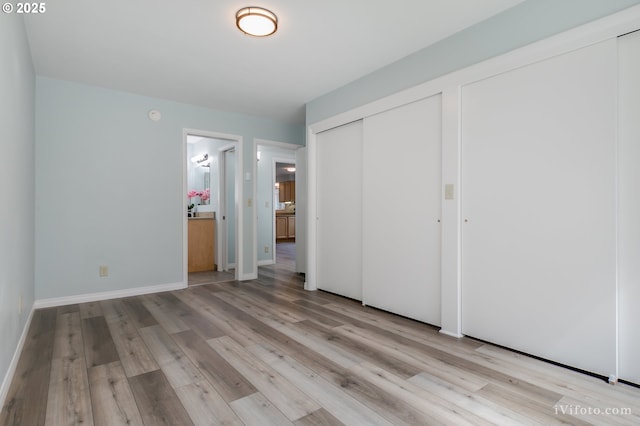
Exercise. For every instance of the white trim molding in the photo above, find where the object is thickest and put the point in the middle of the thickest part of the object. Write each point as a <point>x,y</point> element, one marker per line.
<point>11,371</point>
<point>105,295</point>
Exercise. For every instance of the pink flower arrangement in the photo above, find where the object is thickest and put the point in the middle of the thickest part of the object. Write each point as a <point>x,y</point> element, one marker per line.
<point>204,195</point>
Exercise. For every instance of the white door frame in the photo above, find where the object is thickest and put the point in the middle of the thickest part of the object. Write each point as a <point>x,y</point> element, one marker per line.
<point>275,144</point>
<point>273,190</point>
<point>237,142</point>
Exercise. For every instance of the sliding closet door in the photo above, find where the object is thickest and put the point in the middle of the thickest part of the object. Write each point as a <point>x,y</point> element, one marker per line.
<point>539,197</point>
<point>339,210</point>
<point>629,206</point>
<point>402,163</point>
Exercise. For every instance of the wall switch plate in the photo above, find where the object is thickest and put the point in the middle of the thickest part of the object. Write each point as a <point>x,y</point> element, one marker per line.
<point>266,249</point>
<point>20,305</point>
<point>249,202</point>
<point>448,191</point>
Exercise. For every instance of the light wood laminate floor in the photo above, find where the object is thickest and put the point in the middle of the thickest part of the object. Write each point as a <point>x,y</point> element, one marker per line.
<point>267,352</point>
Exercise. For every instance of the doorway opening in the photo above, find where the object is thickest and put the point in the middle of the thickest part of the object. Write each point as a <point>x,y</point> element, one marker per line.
<point>212,186</point>
<point>284,201</point>
<point>279,229</point>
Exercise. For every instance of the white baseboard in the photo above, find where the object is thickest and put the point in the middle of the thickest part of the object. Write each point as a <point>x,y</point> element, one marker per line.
<point>266,262</point>
<point>449,333</point>
<point>104,295</point>
<point>247,277</point>
<point>8,378</point>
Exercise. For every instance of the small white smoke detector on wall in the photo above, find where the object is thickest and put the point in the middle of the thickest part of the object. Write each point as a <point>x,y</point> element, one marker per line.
<point>154,115</point>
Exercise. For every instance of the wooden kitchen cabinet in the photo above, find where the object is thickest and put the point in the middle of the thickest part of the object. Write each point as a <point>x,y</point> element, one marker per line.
<point>287,192</point>
<point>281,227</point>
<point>285,227</point>
<point>291,227</point>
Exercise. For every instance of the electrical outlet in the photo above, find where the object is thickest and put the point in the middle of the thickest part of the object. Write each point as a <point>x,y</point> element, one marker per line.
<point>20,305</point>
<point>104,271</point>
<point>266,249</point>
<point>249,202</point>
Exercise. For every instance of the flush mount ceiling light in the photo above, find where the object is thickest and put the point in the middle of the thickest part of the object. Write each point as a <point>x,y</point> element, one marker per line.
<point>256,21</point>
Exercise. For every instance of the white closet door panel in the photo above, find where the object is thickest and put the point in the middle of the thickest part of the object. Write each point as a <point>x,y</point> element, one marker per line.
<point>629,207</point>
<point>538,175</point>
<point>402,163</point>
<point>339,207</point>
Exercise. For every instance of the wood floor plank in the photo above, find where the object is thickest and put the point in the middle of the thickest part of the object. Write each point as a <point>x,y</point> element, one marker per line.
<point>98,344</point>
<point>157,401</point>
<point>251,301</point>
<point>470,401</point>
<point>341,378</point>
<point>205,405</point>
<point>223,376</point>
<point>273,298</point>
<point>68,309</point>
<point>293,403</point>
<point>90,309</point>
<point>138,313</point>
<point>231,327</point>
<point>167,319</point>
<point>69,400</point>
<point>366,351</point>
<point>26,400</point>
<point>531,408</point>
<point>342,406</point>
<point>132,351</point>
<point>319,417</point>
<point>268,325</point>
<point>173,362</point>
<point>463,378</point>
<point>191,317</point>
<point>580,386</point>
<point>111,396</point>
<point>256,410</point>
<point>434,409</point>
<point>464,359</point>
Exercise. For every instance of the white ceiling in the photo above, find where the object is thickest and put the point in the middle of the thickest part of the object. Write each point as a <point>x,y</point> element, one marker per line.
<point>192,52</point>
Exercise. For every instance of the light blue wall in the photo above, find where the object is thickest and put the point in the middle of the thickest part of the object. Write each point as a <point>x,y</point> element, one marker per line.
<point>17,187</point>
<point>109,185</point>
<point>523,24</point>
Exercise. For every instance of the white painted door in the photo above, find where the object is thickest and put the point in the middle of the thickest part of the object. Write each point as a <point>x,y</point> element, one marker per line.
<point>339,210</point>
<point>402,169</point>
<point>629,206</point>
<point>538,199</point>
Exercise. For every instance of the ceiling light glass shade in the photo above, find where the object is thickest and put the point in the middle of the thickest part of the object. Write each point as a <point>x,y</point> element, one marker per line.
<point>256,21</point>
